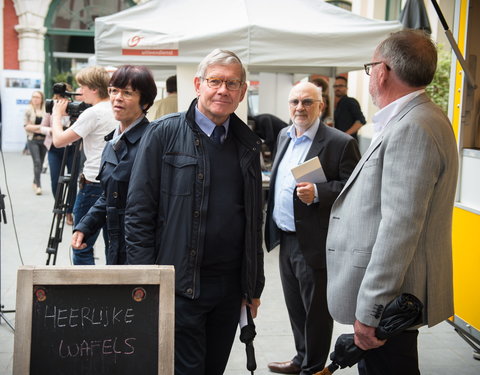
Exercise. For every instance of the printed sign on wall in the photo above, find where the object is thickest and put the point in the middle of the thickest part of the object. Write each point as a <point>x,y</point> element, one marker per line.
<point>16,91</point>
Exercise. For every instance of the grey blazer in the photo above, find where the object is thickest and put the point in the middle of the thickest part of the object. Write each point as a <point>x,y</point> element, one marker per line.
<point>390,227</point>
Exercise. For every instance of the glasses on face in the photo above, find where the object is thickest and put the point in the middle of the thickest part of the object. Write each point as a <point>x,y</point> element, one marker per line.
<point>368,67</point>
<point>231,84</point>
<point>127,94</point>
<point>307,103</point>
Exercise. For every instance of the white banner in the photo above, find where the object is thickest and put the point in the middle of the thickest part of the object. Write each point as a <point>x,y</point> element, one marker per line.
<point>16,91</point>
<point>143,44</point>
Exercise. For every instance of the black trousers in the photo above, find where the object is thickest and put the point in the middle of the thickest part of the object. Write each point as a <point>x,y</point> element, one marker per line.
<point>205,327</point>
<point>38,152</point>
<point>305,291</point>
<point>399,356</point>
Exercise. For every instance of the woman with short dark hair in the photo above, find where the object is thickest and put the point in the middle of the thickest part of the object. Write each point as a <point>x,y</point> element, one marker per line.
<point>132,91</point>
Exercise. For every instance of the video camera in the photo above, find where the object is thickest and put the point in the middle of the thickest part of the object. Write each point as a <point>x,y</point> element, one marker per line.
<point>74,109</point>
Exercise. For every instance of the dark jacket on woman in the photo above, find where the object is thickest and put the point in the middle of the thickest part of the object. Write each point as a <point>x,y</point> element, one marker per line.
<point>115,169</point>
<point>165,220</point>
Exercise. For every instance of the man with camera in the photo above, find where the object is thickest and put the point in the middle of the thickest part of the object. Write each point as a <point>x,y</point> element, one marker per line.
<point>92,125</point>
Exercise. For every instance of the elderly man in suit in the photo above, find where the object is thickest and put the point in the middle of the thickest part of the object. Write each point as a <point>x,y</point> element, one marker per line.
<point>195,201</point>
<point>390,227</point>
<point>297,219</point>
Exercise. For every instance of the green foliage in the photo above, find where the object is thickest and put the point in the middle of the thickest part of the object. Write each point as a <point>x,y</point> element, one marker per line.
<point>64,77</point>
<point>438,90</point>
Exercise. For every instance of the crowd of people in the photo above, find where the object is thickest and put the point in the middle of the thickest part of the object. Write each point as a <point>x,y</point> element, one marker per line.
<point>186,190</point>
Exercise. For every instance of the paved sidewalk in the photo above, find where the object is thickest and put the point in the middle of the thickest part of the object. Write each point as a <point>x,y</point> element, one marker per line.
<point>441,350</point>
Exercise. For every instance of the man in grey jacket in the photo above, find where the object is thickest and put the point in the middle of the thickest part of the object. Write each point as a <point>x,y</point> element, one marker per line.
<point>390,227</point>
<point>195,202</point>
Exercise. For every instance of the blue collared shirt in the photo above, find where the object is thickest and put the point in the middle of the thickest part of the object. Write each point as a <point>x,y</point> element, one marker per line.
<point>285,182</point>
<point>207,125</point>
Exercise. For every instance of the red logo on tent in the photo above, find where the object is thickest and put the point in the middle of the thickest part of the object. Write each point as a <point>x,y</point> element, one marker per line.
<point>134,40</point>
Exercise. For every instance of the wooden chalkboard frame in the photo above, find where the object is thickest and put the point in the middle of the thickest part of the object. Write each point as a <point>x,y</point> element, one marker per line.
<point>30,276</point>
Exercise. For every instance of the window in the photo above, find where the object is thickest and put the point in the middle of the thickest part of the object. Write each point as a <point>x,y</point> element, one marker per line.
<point>69,41</point>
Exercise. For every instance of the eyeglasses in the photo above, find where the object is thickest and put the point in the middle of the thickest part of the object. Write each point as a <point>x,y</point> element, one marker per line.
<point>126,94</point>
<point>368,67</point>
<point>215,83</point>
<point>305,102</point>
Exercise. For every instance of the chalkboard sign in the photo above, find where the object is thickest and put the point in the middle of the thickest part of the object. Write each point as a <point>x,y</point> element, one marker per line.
<point>94,320</point>
<point>107,332</point>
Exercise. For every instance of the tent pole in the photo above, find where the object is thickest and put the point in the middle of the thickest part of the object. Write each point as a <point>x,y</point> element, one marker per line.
<point>453,44</point>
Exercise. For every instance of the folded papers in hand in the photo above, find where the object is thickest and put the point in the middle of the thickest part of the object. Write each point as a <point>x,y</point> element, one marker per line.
<point>309,171</point>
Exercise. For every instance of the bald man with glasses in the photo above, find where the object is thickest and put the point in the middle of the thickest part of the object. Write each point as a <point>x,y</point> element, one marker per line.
<point>297,219</point>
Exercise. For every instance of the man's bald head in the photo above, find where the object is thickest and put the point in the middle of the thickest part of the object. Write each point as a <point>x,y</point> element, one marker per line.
<point>306,105</point>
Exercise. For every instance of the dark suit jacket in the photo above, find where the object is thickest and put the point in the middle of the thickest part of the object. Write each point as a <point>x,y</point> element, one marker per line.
<point>338,153</point>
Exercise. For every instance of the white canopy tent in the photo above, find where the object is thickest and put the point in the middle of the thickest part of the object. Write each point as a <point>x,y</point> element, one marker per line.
<point>294,36</point>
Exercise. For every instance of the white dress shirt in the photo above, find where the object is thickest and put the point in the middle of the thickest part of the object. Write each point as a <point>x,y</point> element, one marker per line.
<point>383,117</point>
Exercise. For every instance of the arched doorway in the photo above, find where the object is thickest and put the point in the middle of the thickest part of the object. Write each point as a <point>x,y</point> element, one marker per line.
<point>69,41</point>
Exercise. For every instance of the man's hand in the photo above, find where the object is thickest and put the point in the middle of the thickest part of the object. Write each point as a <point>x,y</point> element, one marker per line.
<point>365,336</point>
<point>306,192</point>
<point>78,240</point>
<point>253,306</point>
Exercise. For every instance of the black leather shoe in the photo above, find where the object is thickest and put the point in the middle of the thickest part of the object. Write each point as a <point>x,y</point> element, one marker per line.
<point>287,367</point>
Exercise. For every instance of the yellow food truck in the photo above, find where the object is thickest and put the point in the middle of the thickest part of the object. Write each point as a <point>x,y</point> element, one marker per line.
<point>464,110</point>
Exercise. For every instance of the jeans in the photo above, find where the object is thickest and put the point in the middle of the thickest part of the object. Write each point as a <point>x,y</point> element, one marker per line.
<point>55,156</point>
<point>86,198</point>
<point>38,152</point>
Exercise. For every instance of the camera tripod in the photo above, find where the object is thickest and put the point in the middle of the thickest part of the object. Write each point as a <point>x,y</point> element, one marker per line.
<point>4,218</point>
<point>64,200</point>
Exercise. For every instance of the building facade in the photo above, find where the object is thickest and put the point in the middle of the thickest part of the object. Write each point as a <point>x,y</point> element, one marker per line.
<point>52,37</point>
<point>56,37</point>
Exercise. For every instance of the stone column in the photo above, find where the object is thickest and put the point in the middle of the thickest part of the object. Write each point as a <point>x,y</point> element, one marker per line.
<point>31,33</point>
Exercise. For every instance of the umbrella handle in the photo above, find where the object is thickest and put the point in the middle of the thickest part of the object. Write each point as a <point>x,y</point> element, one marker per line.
<point>329,370</point>
<point>251,363</point>
<point>325,371</point>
